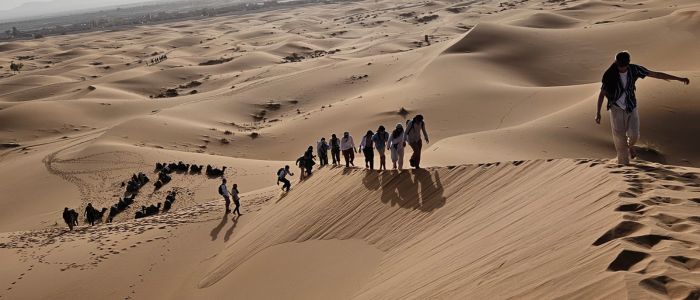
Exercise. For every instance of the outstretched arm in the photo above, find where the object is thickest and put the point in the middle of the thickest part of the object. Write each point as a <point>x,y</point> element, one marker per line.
<point>664,76</point>
<point>601,96</point>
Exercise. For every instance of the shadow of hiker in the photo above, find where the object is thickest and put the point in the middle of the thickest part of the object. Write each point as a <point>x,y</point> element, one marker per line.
<point>230,230</point>
<point>417,189</point>
<point>347,170</point>
<point>431,190</point>
<point>371,180</point>
<point>216,230</point>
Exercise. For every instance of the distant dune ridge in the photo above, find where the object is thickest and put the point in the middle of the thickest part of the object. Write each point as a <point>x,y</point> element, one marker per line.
<point>520,198</point>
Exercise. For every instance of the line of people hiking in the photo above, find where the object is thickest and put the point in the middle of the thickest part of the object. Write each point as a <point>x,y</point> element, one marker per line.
<point>381,141</point>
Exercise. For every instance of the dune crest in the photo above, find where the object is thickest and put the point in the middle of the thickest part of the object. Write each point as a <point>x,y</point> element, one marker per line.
<point>468,227</point>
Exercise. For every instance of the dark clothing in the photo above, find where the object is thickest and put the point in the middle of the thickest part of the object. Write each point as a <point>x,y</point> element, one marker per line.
<point>238,206</point>
<point>323,158</point>
<point>287,185</point>
<point>68,218</point>
<point>369,156</point>
<point>228,203</point>
<point>301,162</point>
<point>322,148</point>
<point>335,154</point>
<point>309,161</point>
<point>349,156</point>
<point>612,85</point>
<point>90,215</point>
<point>335,150</point>
<point>415,157</point>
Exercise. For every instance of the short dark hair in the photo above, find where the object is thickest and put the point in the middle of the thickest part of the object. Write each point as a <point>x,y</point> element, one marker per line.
<point>623,58</point>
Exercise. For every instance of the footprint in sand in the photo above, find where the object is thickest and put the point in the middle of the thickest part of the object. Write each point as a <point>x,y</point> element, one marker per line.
<point>631,207</point>
<point>625,228</point>
<point>684,262</point>
<point>627,195</point>
<point>658,200</point>
<point>668,286</point>
<point>649,240</point>
<point>666,219</point>
<point>626,259</point>
<point>673,187</point>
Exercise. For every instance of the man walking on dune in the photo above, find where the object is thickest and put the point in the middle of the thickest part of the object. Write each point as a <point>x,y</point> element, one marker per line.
<point>619,87</point>
<point>223,191</point>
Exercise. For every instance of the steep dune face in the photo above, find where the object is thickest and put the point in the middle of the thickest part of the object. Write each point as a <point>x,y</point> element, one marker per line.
<point>455,232</point>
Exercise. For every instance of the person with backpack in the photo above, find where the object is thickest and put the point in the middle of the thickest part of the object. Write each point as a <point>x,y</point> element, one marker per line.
<point>367,146</point>
<point>223,191</point>
<point>380,139</point>
<point>236,199</point>
<point>619,87</point>
<point>347,146</point>
<point>413,137</point>
<point>397,143</point>
<point>335,149</point>
<point>309,160</point>
<point>322,149</point>
<point>281,177</point>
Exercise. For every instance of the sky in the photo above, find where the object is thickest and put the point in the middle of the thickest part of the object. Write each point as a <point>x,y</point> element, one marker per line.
<point>10,4</point>
<point>14,9</point>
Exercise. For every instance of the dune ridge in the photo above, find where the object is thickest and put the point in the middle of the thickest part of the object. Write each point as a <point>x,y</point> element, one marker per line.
<point>520,198</point>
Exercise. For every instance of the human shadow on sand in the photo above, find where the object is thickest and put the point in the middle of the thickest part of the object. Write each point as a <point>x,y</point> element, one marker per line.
<point>227,236</point>
<point>216,230</point>
<point>417,189</point>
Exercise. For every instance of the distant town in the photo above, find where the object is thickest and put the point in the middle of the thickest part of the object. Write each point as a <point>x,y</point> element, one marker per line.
<point>124,17</point>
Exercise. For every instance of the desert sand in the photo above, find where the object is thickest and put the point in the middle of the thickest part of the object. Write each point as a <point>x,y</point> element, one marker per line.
<point>521,197</point>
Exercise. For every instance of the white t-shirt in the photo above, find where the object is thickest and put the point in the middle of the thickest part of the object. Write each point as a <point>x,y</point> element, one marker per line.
<point>621,101</point>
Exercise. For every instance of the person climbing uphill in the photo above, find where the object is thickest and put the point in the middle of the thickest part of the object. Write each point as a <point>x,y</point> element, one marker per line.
<point>413,136</point>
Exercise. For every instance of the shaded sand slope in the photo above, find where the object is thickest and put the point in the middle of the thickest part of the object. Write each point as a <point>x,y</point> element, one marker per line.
<point>522,229</point>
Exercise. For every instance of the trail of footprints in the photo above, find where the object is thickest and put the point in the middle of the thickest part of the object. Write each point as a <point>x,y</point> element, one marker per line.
<point>660,234</point>
<point>108,240</point>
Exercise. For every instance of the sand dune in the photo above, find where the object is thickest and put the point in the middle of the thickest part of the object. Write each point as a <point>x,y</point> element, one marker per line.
<point>520,200</point>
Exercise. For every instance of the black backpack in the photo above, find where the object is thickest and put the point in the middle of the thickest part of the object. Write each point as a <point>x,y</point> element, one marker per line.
<point>279,172</point>
<point>220,190</point>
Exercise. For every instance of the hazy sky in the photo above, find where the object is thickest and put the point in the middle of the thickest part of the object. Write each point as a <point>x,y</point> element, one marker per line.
<point>9,4</point>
